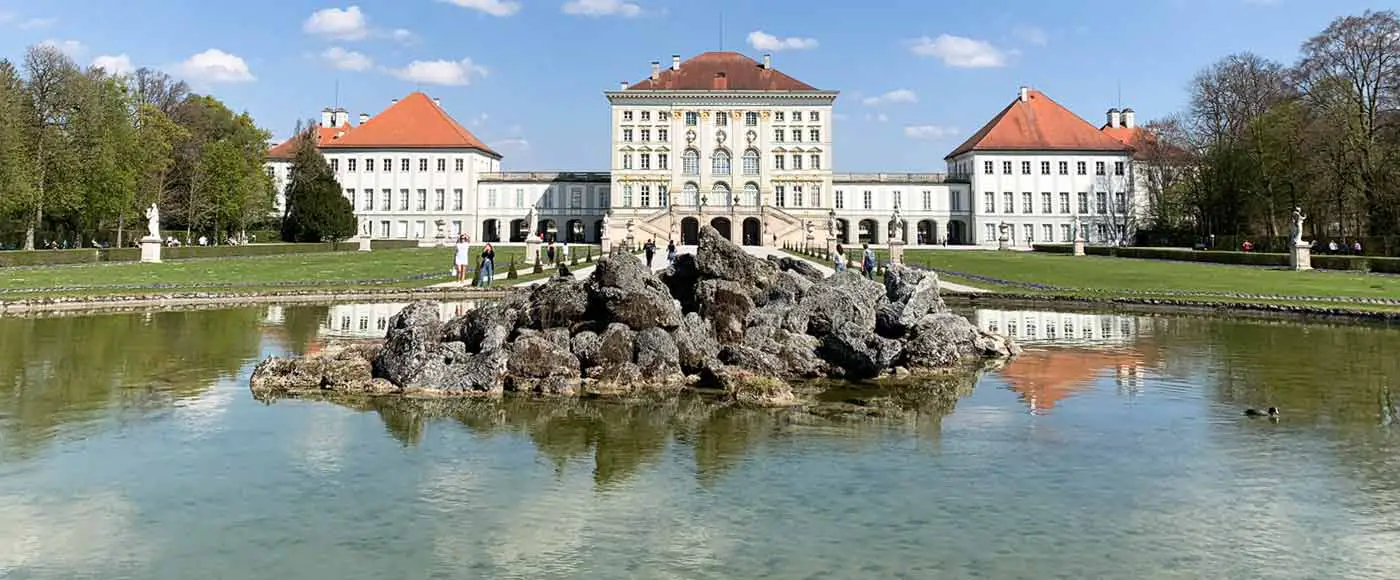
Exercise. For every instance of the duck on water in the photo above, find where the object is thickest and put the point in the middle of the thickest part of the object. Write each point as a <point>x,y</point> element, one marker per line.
<point>1271,412</point>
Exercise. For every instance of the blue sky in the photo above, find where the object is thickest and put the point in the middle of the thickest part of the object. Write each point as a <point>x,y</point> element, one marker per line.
<point>917,76</point>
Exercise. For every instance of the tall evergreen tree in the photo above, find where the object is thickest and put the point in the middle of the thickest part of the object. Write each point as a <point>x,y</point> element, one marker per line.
<point>316,210</point>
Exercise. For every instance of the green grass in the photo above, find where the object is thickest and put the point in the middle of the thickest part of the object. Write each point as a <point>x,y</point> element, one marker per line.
<point>1131,276</point>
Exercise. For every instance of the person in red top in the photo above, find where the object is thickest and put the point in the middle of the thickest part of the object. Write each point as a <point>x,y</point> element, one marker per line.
<point>1247,246</point>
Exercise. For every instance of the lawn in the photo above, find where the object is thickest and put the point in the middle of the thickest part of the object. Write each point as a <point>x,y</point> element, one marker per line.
<point>330,271</point>
<point>1097,274</point>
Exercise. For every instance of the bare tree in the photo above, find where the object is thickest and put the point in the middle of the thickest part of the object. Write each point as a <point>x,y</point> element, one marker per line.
<point>1162,162</point>
<point>50,72</point>
<point>158,89</point>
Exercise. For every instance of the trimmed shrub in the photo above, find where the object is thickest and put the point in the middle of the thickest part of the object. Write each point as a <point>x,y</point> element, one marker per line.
<point>1321,262</point>
<point>512,274</point>
<point>94,255</point>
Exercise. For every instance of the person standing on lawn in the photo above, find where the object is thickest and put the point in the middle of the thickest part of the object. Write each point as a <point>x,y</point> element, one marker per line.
<point>650,249</point>
<point>488,266</point>
<point>463,259</point>
<point>868,261</point>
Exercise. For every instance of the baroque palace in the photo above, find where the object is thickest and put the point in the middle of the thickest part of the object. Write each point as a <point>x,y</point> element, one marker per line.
<point>725,140</point>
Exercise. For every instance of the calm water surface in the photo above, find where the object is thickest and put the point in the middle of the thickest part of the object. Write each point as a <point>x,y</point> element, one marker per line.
<point>131,448</point>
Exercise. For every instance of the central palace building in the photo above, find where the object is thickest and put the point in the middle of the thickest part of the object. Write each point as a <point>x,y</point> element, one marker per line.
<point>725,140</point>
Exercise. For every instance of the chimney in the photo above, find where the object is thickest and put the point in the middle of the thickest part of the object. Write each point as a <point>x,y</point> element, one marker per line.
<point>364,118</point>
<point>393,102</point>
<point>655,69</point>
<point>623,86</point>
<point>1025,95</point>
<point>1129,118</point>
<point>437,101</point>
<point>341,117</point>
<point>1113,118</point>
<point>721,82</point>
<point>327,118</point>
<point>675,62</point>
<point>767,61</point>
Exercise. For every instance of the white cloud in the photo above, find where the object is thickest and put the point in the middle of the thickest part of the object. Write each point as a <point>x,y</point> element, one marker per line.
<point>1032,35</point>
<point>892,97</point>
<point>517,143</point>
<point>346,59</point>
<point>340,24</point>
<point>72,48</point>
<point>441,72</point>
<point>215,66</point>
<point>34,23</point>
<point>761,40</point>
<point>403,36</point>
<point>959,51</point>
<point>492,7</point>
<point>115,64</point>
<point>478,120</point>
<point>602,8</point>
<point>929,132</point>
<point>877,117</point>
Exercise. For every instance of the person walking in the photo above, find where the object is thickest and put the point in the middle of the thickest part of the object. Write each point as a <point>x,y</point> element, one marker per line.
<point>565,251</point>
<point>650,249</point>
<point>488,266</point>
<point>671,251</point>
<point>463,259</point>
<point>549,253</point>
<point>868,261</point>
<point>840,258</point>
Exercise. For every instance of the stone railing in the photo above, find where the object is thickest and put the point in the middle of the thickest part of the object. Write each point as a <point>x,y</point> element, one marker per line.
<point>898,178</point>
<point>549,176</point>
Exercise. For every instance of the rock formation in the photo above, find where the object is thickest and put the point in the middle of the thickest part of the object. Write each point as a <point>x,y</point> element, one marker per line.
<point>720,319</point>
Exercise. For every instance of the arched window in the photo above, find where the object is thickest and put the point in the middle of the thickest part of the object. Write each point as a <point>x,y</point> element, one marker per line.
<point>690,162</point>
<point>751,158</point>
<point>719,162</point>
<point>690,195</point>
<point>751,194</point>
<point>722,195</point>
<point>751,119</point>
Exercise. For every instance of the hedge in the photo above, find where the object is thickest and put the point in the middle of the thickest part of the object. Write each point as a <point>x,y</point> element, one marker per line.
<point>1321,262</point>
<point>93,255</point>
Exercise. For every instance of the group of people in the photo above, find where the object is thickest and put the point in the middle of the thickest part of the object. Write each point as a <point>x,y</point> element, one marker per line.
<point>486,265</point>
<point>1333,247</point>
<point>868,262</point>
<point>649,250</point>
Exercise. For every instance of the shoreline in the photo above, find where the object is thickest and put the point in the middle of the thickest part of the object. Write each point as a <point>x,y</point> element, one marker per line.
<point>199,300</point>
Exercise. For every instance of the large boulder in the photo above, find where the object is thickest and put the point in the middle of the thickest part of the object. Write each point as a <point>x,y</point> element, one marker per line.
<point>796,351</point>
<point>411,344</point>
<point>458,373</point>
<point>943,340</point>
<point>559,302</point>
<point>915,292</point>
<point>657,355</point>
<point>800,267</point>
<point>696,345</point>
<point>859,352</point>
<point>727,305</point>
<point>717,257</point>
<point>844,298</point>
<point>623,290</point>
<point>788,288</point>
<point>538,364</point>
<point>680,279</point>
<point>487,327</point>
<point>336,369</point>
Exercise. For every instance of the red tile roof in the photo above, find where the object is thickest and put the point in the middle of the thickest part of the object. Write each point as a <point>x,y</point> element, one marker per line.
<point>721,71</point>
<point>1038,124</point>
<point>415,122</point>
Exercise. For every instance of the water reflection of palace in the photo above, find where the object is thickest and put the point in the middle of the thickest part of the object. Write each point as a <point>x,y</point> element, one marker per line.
<point>1067,353</point>
<point>364,320</point>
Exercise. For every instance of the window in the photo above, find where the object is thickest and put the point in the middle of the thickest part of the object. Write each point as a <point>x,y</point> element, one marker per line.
<point>457,200</point>
<point>1064,168</point>
<point>778,135</point>
<point>780,194</point>
<point>663,196</point>
<point>1045,168</point>
<point>1101,231</point>
<point>1083,202</point>
<point>350,195</point>
<point>779,117</point>
<point>403,166</point>
<point>690,162</point>
<point>1101,203</point>
<point>627,116</point>
<point>604,197</point>
<point>663,161</point>
<point>1120,203</point>
<point>387,202</point>
<point>719,194</point>
<point>990,234</point>
<point>690,194</point>
<point>547,200</point>
<point>1046,205</point>
<point>796,162</point>
<point>403,200</point>
<point>720,162</point>
<point>422,200</point>
<point>814,116</point>
<point>1027,205</point>
<point>797,200</point>
<point>814,135</point>
<point>721,119</point>
<point>751,194</point>
<point>797,116</point>
<point>335,165</point>
<point>388,165</point>
<point>663,135</point>
<point>816,196</point>
<point>646,135</point>
<point>1080,168</point>
<point>899,199</point>
<point>928,199</point>
<point>646,161</point>
<point>989,202</point>
<point>1064,202</point>
<point>1006,168</point>
<point>646,115</point>
<point>1064,232</point>
<point>369,164</point>
<point>441,165</point>
<point>1029,232</point>
<point>751,119</point>
<point>646,195</point>
<point>369,200</point>
<point>868,199</point>
<point>440,199</point>
<point>796,135</point>
<point>1049,233</point>
<point>751,162</point>
<point>627,196</point>
<point>627,135</point>
<point>626,160</point>
<point>519,198</point>
<point>1025,168</point>
<point>987,167</point>
<point>778,161</point>
<point>692,118</point>
<point>1098,168</point>
<point>814,161</point>
<point>955,201</point>
<point>1117,167</point>
<point>840,199</point>
<point>350,164</point>
<point>423,164</point>
<point>491,197</point>
<point>1008,202</point>
<point>384,229</point>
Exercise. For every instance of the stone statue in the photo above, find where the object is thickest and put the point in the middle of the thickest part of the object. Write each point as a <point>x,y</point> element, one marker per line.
<point>1005,231</point>
<point>1078,228</point>
<point>896,226</point>
<point>831,224</point>
<point>607,222</point>
<point>808,224</point>
<point>153,222</point>
<point>1298,219</point>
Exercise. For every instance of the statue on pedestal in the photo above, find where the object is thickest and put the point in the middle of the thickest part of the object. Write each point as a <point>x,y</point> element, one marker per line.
<point>896,225</point>
<point>1005,230</point>
<point>607,223</point>
<point>831,224</point>
<point>1078,229</point>
<point>153,222</point>
<point>1298,219</point>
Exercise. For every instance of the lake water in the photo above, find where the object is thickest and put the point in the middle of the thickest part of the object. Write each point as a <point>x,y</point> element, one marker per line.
<point>130,447</point>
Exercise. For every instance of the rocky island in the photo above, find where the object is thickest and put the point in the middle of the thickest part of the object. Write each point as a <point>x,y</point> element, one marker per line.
<point>718,321</point>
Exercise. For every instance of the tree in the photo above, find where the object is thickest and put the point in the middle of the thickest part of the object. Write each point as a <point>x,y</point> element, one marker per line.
<point>49,90</point>
<point>316,209</point>
<point>16,161</point>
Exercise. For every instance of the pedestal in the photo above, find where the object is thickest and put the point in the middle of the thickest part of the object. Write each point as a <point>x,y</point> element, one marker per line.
<point>1300,257</point>
<point>897,252</point>
<point>1003,244</point>
<point>532,251</point>
<point>1079,247</point>
<point>364,242</point>
<point>831,249</point>
<point>606,243</point>
<point>150,250</point>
